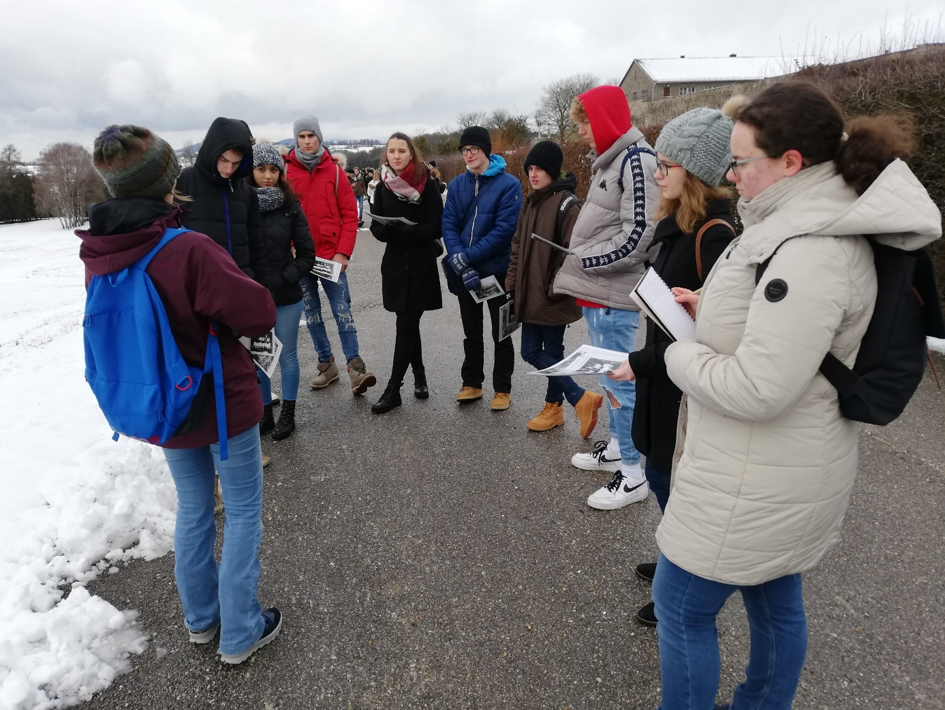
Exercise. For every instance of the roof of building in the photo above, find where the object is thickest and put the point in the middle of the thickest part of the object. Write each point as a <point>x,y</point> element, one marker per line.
<point>681,69</point>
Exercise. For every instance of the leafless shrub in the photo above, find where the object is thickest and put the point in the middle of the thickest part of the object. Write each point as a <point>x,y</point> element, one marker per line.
<point>67,183</point>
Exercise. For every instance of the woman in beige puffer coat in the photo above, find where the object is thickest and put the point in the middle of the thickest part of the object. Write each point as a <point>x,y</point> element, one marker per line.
<point>768,461</point>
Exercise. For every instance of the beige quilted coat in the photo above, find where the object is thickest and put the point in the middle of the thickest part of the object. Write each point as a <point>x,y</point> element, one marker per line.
<point>768,462</point>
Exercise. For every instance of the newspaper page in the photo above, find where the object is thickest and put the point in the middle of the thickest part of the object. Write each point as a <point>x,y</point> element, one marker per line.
<point>489,288</point>
<point>327,269</point>
<point>392,220</point>
<point>586,360</point>
<point>265,351</point>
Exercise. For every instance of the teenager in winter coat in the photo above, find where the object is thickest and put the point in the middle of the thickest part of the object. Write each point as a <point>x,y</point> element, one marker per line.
<point>695,227</point>
<point>290,254</point>
<point>199,284</point>
<point>410,280</point>
<point>222,205</point>
<point>360,188</point>
<point>610,246</point>
<point>768,462</point>
<point>479,221</point>
<point>549,211</point>
<point>372,186</point>
<point>328,203</point>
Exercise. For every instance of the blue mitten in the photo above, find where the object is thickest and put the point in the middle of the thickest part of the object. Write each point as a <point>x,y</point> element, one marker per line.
<point>471,279</point>
<point>459,263</point>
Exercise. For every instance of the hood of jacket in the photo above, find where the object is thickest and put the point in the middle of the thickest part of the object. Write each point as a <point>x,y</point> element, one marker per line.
<point>568,182</point>
<point>225,134</point>
<point>327,159</point>
<point>896,210</point>
<point>608,112</point>
<point>497,165</point>
<point>121,231</point>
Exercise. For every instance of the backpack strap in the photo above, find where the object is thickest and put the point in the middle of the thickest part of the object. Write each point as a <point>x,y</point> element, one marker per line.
<point>169,234</point>
<point>337,178</point>
<point>631,151</point>
<point>213,362</point>
<point>567,203</point>
<point>702,230</point>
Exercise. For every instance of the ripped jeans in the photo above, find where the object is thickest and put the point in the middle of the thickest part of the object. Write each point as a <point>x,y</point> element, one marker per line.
<point>615,329</point>
<point>340,301</point>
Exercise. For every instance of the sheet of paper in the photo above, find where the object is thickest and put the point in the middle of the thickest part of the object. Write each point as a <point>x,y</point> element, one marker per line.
<point>392,220</point>
<point>327,269</point>
<point>656,300</point>
<point>489,287</point>
<point>265,351</point>
<point>508,323</point>
<point>586,360</point>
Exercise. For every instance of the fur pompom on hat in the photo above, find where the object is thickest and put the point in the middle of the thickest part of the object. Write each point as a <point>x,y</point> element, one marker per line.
<point>267,154</point>
<point>700,141</point>
<point>546,155</point>
<point>477,136</point>
<point>134,162</point>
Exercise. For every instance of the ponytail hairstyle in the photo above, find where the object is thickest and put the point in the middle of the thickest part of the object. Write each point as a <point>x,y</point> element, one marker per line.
<point>416,159</point>
<point>796,115</point>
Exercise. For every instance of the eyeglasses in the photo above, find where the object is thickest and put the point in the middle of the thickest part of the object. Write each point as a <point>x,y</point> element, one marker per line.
<point>735,163</point>
<point>662,169</point>
<point>471,149</point>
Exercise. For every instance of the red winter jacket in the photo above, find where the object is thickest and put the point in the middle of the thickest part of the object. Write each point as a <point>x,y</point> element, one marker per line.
<point>328,202</point>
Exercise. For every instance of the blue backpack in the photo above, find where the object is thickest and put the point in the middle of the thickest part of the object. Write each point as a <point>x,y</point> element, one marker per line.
<point>132,363</point>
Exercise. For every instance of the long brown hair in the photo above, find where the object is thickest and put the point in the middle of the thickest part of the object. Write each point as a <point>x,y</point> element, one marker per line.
<point>419,167</point>
<point>690,207</point>
<point>283,184</point>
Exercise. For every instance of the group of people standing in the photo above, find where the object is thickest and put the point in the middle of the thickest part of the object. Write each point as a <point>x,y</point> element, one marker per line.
<point>747,452</point>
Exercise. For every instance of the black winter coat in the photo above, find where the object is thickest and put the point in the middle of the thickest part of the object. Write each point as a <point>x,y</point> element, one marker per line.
<point>283,228</point>
<point>410,278</point>
<point>215,198</point>
<point>657,406</point>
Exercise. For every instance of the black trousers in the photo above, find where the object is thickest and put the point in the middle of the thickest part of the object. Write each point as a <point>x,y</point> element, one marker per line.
<point>408,351</point>
<point>474,345</point>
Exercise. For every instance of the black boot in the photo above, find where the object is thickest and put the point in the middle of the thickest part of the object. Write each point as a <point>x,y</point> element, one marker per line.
<point>286,423</point>
<point>267,423</point>
<point>420,390</point>
<point>388,400</point>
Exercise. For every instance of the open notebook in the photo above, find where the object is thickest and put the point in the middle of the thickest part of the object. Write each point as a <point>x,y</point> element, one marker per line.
<point>656,300</point>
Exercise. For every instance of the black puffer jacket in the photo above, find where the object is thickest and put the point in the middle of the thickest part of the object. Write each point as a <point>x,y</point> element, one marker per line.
<point>226,209</point>
<point>283,228</point>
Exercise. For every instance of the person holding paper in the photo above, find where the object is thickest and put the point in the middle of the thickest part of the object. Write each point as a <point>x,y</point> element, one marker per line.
<point>329,205</point>
<point>549,211</point>
<point>695,227</point>
<point>611,245</point>
<point>410,281</point>
<point>479,220</point>
<point>290,254</point>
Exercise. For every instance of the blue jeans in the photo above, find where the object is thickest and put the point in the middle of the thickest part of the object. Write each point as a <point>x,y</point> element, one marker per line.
<point>659,483</point>
<point>615,329</point>
<point>287,330</point>
<point>543,346</point>
<point>340,301</point>
<point>226,593</point>
<point>686,606</point>
<point>360,199</point>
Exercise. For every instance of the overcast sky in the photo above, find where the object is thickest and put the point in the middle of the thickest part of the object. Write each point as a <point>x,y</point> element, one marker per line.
<point>366,68</point>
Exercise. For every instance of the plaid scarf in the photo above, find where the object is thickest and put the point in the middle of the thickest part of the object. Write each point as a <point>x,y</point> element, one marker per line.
<point>270,198</point>
<point>408,186</point>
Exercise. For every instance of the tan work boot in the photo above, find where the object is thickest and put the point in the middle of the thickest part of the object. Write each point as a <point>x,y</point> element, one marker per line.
<point>468,394</point>
<point>501,401</point>
<point>327,373</point>
<point>551,415</point>
<point>361,379</point>
<point>586,410</point>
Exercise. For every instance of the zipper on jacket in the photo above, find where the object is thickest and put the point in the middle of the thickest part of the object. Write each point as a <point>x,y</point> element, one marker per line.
<point>472,227</point>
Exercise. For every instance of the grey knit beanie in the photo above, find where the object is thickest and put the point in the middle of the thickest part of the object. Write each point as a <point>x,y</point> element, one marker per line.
<point>134,162</point>
<point>267,154</point>
<point>307,123</point>
<point>700,141</point>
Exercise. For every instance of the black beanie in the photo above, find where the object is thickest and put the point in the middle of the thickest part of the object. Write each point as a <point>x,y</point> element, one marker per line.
<point>546,155</point>
<point>478,136</point>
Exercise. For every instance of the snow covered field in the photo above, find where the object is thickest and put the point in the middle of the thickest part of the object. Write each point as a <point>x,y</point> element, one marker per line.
<point>75,504</point>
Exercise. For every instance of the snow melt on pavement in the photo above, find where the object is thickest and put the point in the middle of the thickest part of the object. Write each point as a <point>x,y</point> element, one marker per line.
<point>75,503</point>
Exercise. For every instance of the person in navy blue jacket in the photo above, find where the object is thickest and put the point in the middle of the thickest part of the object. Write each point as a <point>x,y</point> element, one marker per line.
<point>479,221</point>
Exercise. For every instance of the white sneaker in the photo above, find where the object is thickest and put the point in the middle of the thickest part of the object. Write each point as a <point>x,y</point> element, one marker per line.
<point>618,493</point>
<point>597,460</point>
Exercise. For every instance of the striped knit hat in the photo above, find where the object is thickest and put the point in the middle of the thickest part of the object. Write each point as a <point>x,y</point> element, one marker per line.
<point>134,162</point>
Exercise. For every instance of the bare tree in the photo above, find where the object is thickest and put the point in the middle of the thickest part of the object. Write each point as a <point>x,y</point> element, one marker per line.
<point>471,118</point>
<point>188,154</point>
<point>555,103</point>
<point>67,183</point>
<point>508,130</point>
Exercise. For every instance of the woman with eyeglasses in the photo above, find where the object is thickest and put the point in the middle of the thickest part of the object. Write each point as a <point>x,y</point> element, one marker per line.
<point>768,463</point>
<point>695,227</point>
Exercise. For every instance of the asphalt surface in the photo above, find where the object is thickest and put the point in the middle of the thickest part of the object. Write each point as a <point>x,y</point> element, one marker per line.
<point>442,556</point>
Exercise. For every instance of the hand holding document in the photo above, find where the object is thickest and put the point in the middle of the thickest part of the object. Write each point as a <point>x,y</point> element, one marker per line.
<point>586,360</point>
<point>489,288</point>
<point>327,269</point>
<point>265,351</point>
<point>657,301</point>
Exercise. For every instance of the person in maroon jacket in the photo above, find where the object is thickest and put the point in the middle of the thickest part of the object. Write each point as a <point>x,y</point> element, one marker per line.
<point>198,283</point>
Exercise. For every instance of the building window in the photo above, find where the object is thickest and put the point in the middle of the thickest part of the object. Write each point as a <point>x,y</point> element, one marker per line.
<point>635,94</point>
<point>646,93</point>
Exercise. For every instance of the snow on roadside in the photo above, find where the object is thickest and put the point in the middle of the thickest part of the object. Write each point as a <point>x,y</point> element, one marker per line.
<point>75,503</point>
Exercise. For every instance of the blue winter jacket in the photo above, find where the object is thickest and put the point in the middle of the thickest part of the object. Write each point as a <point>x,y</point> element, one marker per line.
<point>486,237</point>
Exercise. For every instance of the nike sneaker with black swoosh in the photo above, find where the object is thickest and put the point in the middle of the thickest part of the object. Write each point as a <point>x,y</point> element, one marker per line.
<point>600,459</point>
<point>619,492</point>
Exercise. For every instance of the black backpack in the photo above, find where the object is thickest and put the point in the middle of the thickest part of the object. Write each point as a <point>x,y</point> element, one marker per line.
<point>891,361</point>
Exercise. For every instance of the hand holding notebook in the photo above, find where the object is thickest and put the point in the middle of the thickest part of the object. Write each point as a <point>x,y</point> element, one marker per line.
<point>656,300</point>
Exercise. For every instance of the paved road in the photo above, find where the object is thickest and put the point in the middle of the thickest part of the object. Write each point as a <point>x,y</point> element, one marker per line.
<point>443,557</point>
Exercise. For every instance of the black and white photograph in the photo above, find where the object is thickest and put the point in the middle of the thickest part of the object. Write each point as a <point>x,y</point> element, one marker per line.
<point>489,288</point>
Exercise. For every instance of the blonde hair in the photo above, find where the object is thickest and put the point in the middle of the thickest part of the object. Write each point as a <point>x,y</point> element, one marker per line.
<point>577,112</point>
<point>690,207</point>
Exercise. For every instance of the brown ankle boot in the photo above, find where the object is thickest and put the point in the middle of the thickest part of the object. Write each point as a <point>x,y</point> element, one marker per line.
<point>327,373</point>
<point>361,379</point>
